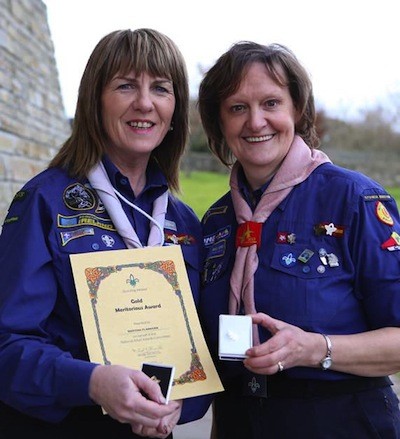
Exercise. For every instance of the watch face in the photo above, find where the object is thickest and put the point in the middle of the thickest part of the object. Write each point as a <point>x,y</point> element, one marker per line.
<point>326,363</point>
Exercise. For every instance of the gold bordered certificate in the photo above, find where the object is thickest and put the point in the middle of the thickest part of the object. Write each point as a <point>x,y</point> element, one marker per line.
<point>137,306</point>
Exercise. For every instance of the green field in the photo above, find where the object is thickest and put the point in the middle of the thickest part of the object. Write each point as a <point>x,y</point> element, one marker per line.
<point>201,189</point>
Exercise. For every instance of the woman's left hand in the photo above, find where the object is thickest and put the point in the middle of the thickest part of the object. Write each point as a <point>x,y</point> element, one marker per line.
<point>165,427</point>
<point>289,346</point>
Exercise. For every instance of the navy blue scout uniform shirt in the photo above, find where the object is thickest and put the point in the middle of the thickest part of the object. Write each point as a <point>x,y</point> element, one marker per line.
<point>52,217</point>
<point>329,261</point>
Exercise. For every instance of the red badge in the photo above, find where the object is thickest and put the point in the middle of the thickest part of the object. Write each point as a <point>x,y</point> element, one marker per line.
<point>281,237</point>
<point>382,214</point>
<point>248,234</point>
<point>393,241</point>
<point>285,238</point>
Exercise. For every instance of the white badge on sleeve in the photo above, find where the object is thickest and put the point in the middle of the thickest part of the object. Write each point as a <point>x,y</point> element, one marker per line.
<point>235,336</point>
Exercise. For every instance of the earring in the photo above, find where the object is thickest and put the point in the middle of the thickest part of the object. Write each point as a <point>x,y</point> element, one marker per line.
<point>171,128</point>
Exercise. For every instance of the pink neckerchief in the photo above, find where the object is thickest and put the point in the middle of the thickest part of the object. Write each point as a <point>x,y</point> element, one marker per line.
<point>298,164</point>
<point>99,180</point>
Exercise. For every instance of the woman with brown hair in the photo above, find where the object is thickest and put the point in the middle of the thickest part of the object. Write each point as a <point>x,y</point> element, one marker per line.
<point>108,188</point>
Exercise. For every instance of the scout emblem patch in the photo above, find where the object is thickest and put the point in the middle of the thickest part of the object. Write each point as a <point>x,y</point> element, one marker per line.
<point>78,197</point>
<point>248,234</point>
<point>383,214</point>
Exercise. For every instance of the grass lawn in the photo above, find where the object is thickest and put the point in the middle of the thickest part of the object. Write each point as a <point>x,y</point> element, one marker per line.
<point>201,189</point>
<point>395,191</point>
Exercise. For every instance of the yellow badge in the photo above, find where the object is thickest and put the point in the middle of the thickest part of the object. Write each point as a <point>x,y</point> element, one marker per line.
<point>383,215</point>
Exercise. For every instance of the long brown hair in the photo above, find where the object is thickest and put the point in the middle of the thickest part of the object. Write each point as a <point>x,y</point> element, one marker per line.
<point>141,50</point>
<point>223,79</point>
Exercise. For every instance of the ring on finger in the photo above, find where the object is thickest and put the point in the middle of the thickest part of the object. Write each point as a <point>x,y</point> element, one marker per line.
<point>280,366</point>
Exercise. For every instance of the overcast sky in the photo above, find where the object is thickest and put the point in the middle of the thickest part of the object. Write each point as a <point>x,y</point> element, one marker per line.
<point>350,47</point>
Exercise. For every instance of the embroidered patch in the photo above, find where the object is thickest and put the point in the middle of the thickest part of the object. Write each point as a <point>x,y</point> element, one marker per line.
<point>248,234</point>
<point>384,197</point>
<point>223,233</point>
<point>11,219</point>
<point>217,250</point>
<point>329,229</point>
<point>88,219</point>
<point>288,260</point>
<point>383,214</point>
<point>393,241</point>
<point>178,239</point>
<point>66,237</point>
<point>211,271</point>
<point>78,197</point>
<point>20,196</point>
<point>214,211</point>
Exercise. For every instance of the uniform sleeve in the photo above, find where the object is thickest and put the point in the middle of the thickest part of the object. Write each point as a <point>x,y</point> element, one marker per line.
<point>376,254</point>
<point>195,408</point>
<point>36,377</point>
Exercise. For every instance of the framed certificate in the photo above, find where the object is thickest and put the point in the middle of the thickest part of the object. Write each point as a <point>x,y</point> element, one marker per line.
<point>137,307</point>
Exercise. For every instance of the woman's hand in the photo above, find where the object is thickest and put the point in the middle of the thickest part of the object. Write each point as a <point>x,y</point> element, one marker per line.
<point>165,427</point>
<point>289,346</point>
<point>130,396</point>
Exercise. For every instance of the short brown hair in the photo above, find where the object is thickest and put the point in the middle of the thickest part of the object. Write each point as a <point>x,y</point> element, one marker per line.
<point>141,50</point>
<point>223,79</point>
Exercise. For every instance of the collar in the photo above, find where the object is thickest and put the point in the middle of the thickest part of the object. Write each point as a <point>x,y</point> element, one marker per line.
<point>252,197</point>
<point>155,179</point>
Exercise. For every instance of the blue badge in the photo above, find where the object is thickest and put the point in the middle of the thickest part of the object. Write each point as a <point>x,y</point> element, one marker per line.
<point>217,250</point>
<point>288,260</point>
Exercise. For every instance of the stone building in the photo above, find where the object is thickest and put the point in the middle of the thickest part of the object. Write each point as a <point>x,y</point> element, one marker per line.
<point>33,123</point>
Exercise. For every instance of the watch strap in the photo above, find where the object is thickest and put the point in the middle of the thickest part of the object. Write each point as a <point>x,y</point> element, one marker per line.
<point>326,362</point>
<point>328,345</point>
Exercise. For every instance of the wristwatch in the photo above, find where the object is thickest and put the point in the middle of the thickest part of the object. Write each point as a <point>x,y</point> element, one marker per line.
<point>326,362</point>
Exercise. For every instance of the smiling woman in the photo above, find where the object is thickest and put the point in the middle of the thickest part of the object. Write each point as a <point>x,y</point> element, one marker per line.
<point>306,248</point>
<point>137,114</point>
<point>108,188</point>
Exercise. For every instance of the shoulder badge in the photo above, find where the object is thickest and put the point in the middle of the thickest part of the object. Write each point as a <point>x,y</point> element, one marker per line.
<point>383,214</point>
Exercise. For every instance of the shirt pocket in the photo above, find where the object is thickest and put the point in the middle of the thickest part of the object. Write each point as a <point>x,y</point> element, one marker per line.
<point>308,284</point>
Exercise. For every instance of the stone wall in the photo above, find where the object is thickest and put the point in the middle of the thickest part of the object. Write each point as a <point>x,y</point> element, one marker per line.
<point>33,123</point>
